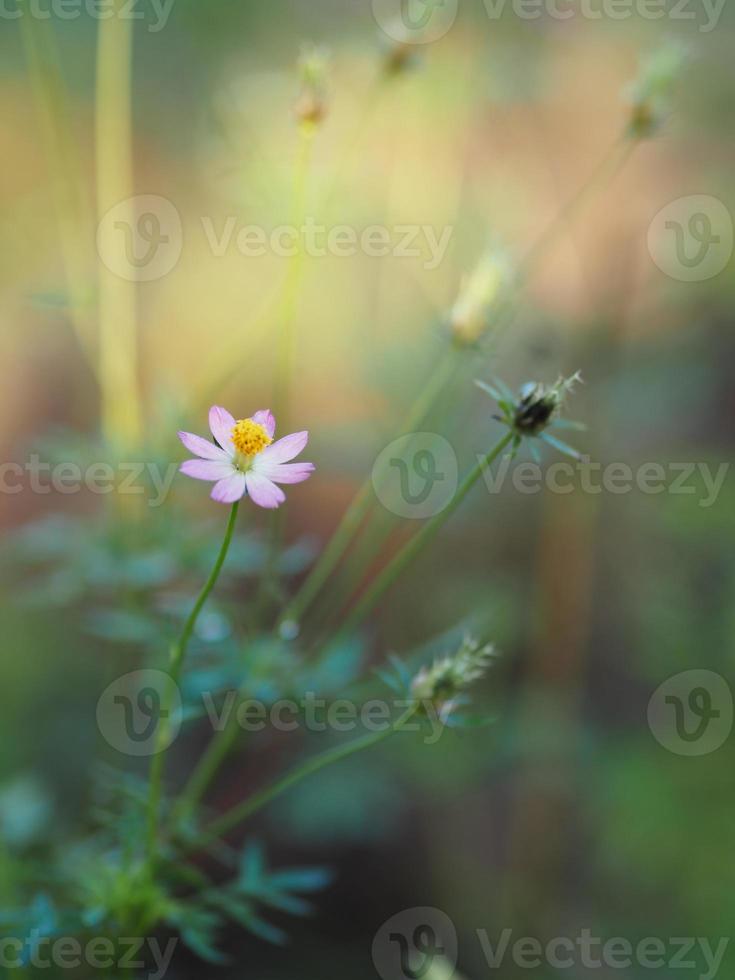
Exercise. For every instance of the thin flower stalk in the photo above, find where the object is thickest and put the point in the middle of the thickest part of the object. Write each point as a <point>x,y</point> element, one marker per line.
<point>602,176</point>
<point>178,655</point>
<point>444,372</point>
<point>118,340</point>
<point>286,315</point>
<point>243,811</point>
<point>385,580</point>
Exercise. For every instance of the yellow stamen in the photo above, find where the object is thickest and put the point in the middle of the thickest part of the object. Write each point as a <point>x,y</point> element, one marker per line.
<point>250,438</point>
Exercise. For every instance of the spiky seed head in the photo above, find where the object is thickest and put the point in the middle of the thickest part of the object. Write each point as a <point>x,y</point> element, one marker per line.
<point>539,404</point>
<point>448,677</point>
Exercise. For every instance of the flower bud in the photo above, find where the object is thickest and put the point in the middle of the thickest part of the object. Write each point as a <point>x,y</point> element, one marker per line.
<point>400,48</point>
<point>311,105</point>
<point>651,93</point>
<point>471,315</point>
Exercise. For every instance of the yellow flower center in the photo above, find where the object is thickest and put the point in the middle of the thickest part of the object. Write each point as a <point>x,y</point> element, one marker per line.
<point>250,438</point>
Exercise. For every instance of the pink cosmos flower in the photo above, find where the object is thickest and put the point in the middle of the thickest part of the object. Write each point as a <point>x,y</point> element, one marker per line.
<point>244,459</point>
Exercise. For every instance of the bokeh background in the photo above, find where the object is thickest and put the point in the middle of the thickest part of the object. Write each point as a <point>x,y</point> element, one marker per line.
<point>566,813</point>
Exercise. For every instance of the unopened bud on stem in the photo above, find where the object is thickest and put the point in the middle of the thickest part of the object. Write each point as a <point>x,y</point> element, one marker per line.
<point>651,93</point>
<point>311,106</point>
<point>472,313</point>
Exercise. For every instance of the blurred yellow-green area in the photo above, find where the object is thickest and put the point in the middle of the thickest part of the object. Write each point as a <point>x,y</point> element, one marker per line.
<point>579,808</point>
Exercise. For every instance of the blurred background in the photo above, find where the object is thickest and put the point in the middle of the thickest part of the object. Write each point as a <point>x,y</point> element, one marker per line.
<point>567,813</point>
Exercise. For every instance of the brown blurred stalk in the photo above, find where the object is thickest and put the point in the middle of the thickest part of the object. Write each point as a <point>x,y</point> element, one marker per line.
<point>72,208</point>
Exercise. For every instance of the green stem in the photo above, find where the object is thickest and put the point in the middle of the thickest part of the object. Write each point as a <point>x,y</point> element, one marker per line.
<point>362,502</point>
<point>383,582</point>
<point>206,769</point>
<point>287,314</point>
<point>286,350</point>
<point>229,820</point>
<point>178,654</point>
<point>118,346</point>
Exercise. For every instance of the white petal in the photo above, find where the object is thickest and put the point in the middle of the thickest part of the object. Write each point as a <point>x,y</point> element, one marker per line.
<point>285,449</point>
<point>222,423</point>
<point>230,489</point>
<point>263,492</point>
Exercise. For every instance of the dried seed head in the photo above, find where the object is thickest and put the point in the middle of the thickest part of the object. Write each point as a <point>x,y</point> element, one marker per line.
<point>471,314</point>
<point>311,105</point>
<point>448,677</point>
